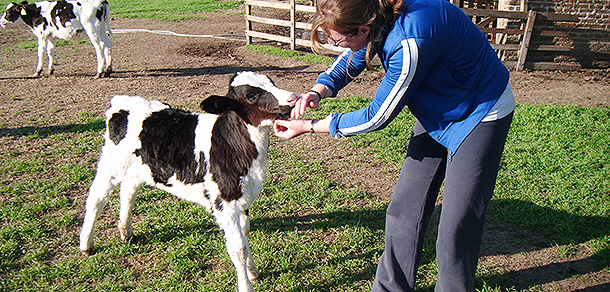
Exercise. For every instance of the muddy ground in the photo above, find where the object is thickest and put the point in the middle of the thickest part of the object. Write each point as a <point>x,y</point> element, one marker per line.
<point>183,70</point>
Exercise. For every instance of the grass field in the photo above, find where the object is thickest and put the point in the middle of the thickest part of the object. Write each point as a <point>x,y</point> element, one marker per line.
<point>309,232</point>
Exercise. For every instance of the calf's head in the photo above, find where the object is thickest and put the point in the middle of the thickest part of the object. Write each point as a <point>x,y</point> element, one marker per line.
<point>254,98</point>
<point>13,13</point>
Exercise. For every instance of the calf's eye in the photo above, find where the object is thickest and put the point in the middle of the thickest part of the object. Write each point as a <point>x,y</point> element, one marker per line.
<point>251,96</point>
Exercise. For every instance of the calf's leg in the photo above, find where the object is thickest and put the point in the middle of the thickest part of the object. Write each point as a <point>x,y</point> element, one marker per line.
<point>42,48</point>
<point>51,56</point>
<point>98,198</point>
<point>94,37</point>
<point>107,51</point>
<point>128,191</point>
<point>244,220</point>
<point>237,245</point>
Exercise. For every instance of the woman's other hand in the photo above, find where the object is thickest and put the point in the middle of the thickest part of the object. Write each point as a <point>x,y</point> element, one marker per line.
<point>309,99</point>
<point>290,129</point>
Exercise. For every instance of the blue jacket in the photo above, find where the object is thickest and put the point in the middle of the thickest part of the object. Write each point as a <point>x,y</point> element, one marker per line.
<point>437,62</point>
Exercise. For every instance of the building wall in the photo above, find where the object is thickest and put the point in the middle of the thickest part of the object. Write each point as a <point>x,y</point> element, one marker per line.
<point>589,37</point>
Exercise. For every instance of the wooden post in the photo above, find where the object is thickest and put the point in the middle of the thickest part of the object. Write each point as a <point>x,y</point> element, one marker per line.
<point>293,8</point>
<point>248,24</point>
<point>525,43</point>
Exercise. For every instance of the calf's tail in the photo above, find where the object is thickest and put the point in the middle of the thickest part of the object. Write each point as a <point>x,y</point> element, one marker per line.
<point>106,17</point>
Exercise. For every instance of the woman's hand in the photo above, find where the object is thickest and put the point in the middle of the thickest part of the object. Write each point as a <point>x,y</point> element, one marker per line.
<point>290,129</point>
<point>309,99</point>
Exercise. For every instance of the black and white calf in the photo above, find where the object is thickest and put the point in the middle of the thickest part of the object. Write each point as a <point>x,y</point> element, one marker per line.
<point>216,159</point>
<point>53,20</point>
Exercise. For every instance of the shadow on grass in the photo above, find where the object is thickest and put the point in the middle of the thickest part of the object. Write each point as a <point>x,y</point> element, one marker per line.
<point>176,72</point>
<point>542,228</point>
<point>370,219</point>
<point>43,132</point>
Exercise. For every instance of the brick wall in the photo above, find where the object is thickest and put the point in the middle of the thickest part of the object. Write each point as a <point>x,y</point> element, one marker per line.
<point>589,37</point>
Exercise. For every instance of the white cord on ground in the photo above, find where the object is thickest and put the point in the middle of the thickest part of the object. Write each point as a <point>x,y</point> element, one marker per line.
<point>167,32</point>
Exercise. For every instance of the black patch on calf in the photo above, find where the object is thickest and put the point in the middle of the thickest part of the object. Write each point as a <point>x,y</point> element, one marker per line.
<point>168,145</point>
<point>13,13</point>
<point>231,154</point>
<point>63,10</point>
<point>117,126</point>
<point>100,13</point>
<point>218,204</point>
<point>32,15</point>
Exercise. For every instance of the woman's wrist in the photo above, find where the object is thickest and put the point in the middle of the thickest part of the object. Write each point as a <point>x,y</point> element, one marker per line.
<point>312,125</point>
<point>316,93</point>
<point>320,90</point>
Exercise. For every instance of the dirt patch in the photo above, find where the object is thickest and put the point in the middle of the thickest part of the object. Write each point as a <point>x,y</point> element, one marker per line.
<point>201,50</point>
<point>182,71</point>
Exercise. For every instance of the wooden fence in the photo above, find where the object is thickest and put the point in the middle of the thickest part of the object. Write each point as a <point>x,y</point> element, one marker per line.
<point>515,38</point>
<point>291,23</point>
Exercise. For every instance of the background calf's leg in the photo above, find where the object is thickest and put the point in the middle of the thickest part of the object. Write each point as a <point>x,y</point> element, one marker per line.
<point>51,56</point>
<point>107,51</point>
<point>98,45</point>
<point>42,48</point>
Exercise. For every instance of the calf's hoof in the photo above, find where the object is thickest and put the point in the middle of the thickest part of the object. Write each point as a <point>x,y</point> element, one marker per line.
<point>105,73</point>
<point>87,252</point>
<point>254,276</point>
<point>125,232</point>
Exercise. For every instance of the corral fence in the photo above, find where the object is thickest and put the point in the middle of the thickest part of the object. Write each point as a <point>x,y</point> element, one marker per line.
<point>294,16</point>
<point>508,24</point>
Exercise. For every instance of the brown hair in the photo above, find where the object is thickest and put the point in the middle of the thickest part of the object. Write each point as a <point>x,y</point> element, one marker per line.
<point>347,16</point>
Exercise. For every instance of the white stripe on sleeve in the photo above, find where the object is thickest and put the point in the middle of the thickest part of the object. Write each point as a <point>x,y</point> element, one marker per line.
<point>409,65</point>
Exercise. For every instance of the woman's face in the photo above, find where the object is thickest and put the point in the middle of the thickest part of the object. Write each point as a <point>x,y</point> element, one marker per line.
<point>355,42</point>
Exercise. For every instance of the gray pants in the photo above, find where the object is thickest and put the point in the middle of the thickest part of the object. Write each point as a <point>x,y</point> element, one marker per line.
<point>469,177</point>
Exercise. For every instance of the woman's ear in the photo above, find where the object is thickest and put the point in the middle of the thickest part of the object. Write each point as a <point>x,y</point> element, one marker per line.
<point>364,30</point>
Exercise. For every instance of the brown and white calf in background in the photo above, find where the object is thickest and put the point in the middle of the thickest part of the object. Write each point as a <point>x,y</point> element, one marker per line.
<point>217,159</point>
<point>54,20</point>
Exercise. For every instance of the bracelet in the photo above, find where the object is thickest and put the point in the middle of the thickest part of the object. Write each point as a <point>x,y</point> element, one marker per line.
<point>317,93</point>
<point>313,122</point>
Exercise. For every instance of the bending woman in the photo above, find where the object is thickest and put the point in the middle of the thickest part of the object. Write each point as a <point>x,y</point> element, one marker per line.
<point>441,66</point>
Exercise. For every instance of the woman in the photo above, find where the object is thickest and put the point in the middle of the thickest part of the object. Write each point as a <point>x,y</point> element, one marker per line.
<point>441,66</point>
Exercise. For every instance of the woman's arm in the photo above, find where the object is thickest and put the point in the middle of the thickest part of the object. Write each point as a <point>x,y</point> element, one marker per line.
<point>290,129</point>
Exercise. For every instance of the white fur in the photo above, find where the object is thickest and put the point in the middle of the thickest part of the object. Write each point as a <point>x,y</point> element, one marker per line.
<point>262,82</point>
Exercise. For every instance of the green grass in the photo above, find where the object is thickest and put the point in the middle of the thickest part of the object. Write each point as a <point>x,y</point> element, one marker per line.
<point>288,54</point>
<point>309,233</point>
<point>555,166</point>
<point>160,9</point>
<point>169,10</point>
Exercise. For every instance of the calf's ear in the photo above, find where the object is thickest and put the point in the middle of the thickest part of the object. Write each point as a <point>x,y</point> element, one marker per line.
<point>217,104</point>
